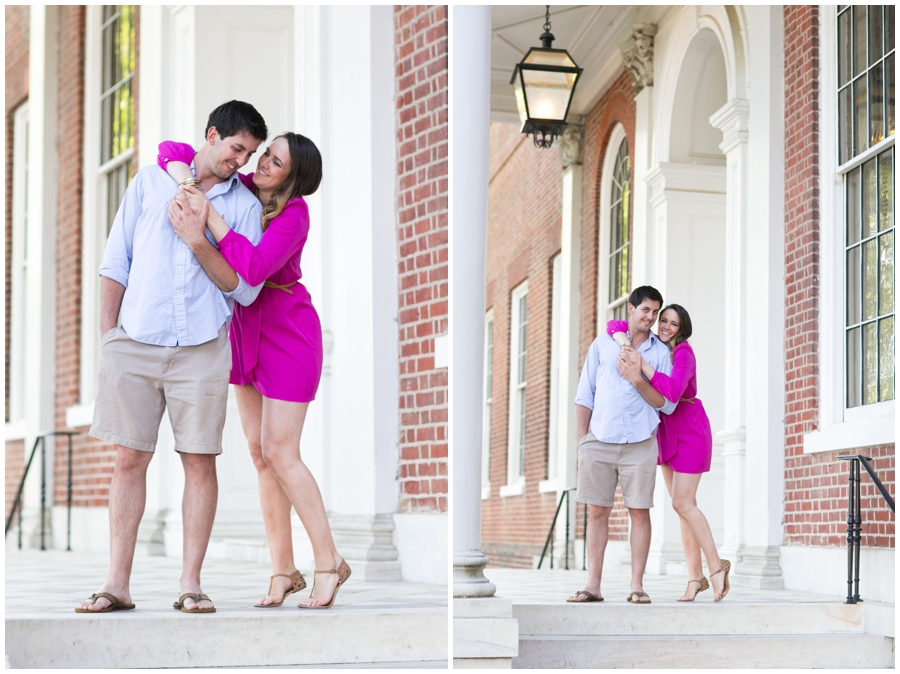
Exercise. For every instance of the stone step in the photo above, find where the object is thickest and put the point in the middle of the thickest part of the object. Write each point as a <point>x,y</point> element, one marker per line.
<point>689,619</point>
<point>720,651</point>
<point>153,638</point>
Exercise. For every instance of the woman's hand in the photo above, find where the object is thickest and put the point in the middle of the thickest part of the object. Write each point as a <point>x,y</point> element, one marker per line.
<point>190,226</point>
<point>194,197</point>
<point>629,364</point>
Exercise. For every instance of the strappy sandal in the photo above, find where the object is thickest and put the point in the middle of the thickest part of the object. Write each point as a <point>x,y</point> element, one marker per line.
<point>704,585</point>
<point>115,604</point>
<point>726,569</point>
<point>590,597</point>
<point>298,582</point>
<point>343,572</point>
<point>197,598</point>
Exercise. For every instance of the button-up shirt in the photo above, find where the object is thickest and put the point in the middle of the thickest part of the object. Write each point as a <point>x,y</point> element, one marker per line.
<point>169,300</point>
<point>619,413</point>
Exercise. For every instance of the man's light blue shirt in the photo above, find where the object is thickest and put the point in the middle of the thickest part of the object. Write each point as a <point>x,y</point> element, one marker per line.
<point>620,414</point>
<point>169,300</point>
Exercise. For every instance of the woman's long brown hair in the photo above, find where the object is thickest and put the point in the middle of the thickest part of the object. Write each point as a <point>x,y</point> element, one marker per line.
<point>304,178</point>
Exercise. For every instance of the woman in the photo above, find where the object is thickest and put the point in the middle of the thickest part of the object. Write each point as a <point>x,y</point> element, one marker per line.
<point>276,350</point>
<point>685,443</point>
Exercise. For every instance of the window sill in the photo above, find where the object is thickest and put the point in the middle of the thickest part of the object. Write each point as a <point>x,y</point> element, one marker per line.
<point>546,486</point>
<point>850,435</point>
<point>16,430</point>
<point>78,416</point>
<point>485,491</point>
<point>514,489</point>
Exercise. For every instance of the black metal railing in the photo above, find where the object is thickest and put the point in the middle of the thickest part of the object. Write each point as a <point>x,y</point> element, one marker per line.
<point>17,503</point>
<point>854,519</point>
<point>549,542</point>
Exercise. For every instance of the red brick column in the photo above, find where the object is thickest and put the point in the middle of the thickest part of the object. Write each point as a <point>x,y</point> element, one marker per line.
<point>815,498</point>
<point>420,40</point>
<point>17,51</point>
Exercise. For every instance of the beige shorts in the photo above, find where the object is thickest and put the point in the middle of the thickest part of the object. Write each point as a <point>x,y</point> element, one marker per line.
<point>139,381</point>
<point>602,464</point>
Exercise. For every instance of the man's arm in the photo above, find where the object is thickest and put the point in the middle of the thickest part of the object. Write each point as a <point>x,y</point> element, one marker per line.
<point>111,294</point>
<point>191,228</point>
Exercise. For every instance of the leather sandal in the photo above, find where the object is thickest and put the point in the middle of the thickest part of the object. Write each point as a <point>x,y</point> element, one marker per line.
<point>726,569</point>
<point>298,582</point>
<point>590,597</point>
<point>197,598</point>
<point>631,598</point>
<point>115,604</point>
<point>703,585</point>
<point>343,572</point>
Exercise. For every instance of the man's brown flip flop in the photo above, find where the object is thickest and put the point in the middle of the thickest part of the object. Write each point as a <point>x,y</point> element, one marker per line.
<point>115,604</point>
<point>590,597</point>
<point>197,598</point>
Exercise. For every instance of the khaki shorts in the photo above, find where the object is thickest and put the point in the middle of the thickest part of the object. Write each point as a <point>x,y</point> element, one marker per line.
<point>602,464</point>
<point>139,381</point>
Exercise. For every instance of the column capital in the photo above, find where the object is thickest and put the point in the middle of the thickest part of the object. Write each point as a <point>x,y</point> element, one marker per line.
<point>637,55</point>
<point>732,120</point>
<point>571,143</point>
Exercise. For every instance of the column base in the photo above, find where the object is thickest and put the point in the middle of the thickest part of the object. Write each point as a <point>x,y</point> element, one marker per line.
<point>468,575</point>
<point>661,556</point>
<point>759,567</point>
<point>151,538</point>
<point>367,543</point>
<point>485,635</point>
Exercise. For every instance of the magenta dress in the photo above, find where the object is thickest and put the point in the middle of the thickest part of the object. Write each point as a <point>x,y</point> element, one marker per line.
<point>276,342</point>
<point>684,437</point>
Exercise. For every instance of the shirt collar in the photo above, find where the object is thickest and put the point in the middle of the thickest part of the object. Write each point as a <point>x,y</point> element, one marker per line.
<point>222,187</point>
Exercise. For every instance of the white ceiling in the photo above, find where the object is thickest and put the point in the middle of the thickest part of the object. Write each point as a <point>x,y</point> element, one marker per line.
<point>590,33</point>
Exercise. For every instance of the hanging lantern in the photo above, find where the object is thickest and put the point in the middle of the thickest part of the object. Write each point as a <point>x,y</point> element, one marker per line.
<point>544,84</point>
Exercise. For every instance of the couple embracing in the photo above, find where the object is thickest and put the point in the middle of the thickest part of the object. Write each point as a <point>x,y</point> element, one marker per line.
<point>193,237</point>
<point>630,376</point>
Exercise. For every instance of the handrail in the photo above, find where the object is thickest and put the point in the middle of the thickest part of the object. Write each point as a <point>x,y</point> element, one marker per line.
<point>549,541</point>
<point>854,519</point>
<point>17,503</point>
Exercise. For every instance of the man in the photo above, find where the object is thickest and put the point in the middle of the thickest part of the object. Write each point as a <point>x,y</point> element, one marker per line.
<point>617,427</point>
<point>172,349</point>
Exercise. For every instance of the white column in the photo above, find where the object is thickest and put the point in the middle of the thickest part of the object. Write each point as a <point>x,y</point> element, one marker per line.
<point>645,269</point>
<point>484,632</point>
<point>40,305</point>
<point>764,462</point>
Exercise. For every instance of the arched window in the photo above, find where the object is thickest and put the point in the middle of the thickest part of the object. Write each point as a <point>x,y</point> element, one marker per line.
<point>620,234</point>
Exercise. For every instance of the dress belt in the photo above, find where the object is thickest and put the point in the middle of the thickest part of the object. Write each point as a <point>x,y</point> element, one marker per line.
<point>681,400</point>
<point>286,287</point>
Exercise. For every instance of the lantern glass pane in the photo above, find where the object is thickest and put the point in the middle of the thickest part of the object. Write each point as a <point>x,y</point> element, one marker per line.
<point>520,99</point>
<point>549,58</point>
<point>548,93</point>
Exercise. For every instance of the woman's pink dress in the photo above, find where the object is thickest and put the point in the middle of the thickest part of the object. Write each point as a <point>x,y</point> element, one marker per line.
<point>684,437</point>
<point>276,342</point>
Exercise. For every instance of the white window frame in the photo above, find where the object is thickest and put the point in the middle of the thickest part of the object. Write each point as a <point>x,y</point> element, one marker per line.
<point>549,485</point>
<point>15,427</point>
<point>488,400</point>
<point>840,427</point>
<point>94,225</point>
<point>515,481</point>
<point>604,307</point>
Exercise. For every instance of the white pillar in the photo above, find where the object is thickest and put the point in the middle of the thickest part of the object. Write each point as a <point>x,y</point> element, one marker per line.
<point>484,631</point>
<point>40,306</point>
<point>646,270</point>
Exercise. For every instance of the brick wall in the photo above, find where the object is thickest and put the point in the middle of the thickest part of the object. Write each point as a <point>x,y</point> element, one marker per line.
<point>524,227</point>
<point>421,76</point>
<point>17,26</point>
<point>815,498</point>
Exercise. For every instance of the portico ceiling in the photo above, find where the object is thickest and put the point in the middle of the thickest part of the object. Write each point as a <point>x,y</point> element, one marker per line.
<point>591,34</point>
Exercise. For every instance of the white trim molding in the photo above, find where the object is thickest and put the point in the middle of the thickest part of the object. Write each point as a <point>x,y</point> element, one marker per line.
<point>515,475</point>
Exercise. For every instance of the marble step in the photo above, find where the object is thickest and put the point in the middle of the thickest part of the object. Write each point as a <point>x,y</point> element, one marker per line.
<point>721,651</point>
<point>693,619</point>
<point>156,638</point>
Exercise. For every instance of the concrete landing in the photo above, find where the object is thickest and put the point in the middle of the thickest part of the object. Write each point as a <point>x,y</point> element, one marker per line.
<point>750,628</point>
<point>375,624</point>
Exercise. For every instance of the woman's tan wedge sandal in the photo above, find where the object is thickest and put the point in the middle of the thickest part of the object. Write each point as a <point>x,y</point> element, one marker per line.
<point>298,582</point>
<point>703,585</point>
<point>343,572</point>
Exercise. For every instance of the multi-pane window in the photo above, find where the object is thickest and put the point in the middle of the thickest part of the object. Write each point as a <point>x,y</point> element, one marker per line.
<point>866,120</point>
<point>117,34</point>
<point>488,403</point>
<point>518,381</point>
<point>620,234</point>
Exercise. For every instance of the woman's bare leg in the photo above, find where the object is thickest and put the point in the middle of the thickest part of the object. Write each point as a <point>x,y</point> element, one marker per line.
<point>276,507</point>
<point>684,500</point>
<point>282,425</point>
